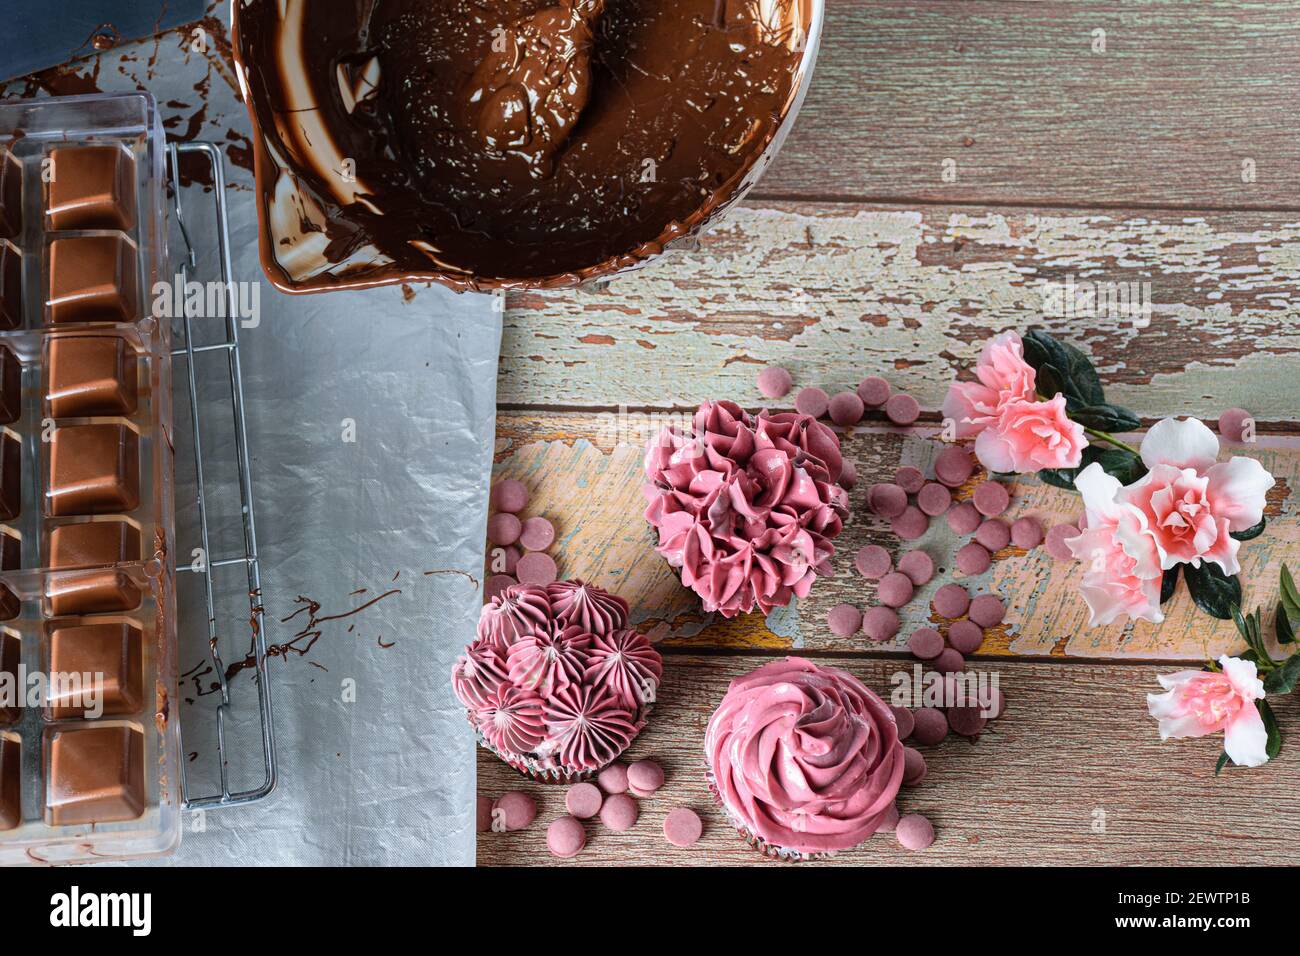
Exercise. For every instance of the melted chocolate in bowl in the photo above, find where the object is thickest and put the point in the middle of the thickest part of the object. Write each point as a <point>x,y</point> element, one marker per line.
<point>507,143</point>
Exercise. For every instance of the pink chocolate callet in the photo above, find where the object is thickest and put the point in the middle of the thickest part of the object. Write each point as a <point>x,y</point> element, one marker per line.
<point>991,498</point>
<point>993,533</point>
<point>965,636</point>
<point>895,589</point>
<point>909,479</point>
<point>1056,545</point>
<point>848,475</point>
<point>503,528</point>
<point>949,661</point>
<point>951,601</point>
<point>583,800</point>
<point>873,562</point>
<point>925,643</point>
<point>987,610</point>
<point>918,566</point>
<point>1026,533</point>
<point>510,495</point>
<point>953,466</point>
<point>934,499</point>
<point>931,726</point>
<point>483,814</point>
<point>509,557</point>
<point>774,382</point>
<point>966,721</point>
<point>682,826</point>
<point>903,717</point>
<point>914,832</point>
<point>566,837</point>
<point>537,567</point>
<point>812,401</point>
<point>889,821</point>
<point>913,766</point>
<point>845,408</point>
<point>1232,424</point>
<point>613,779</point>
<point>516,809</point>
<point>844,619</point>
<point>620,812</point>
<point>963,518</point>
<point>645,776</point>
<point>538,534</point>
<point>497,584</point>
<point>880,623</point>
<point>911,524</point>
<point>873,390</point>
<point>902,409</point>
<point>973,558</point>
<point>887,499</point>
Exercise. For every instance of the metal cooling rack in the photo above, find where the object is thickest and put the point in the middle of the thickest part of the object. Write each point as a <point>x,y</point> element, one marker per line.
<point>187,353</point>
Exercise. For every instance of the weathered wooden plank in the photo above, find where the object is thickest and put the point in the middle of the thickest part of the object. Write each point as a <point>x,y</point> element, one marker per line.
<point>1074,773</point>
<point>585,475</point>
<point>838,291</point>
<point>1018,98</point>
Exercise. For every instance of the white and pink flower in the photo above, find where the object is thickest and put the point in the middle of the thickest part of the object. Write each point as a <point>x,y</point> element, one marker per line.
<point>1003,376</point>
<point>1191,503</point>
<point>1199,703</point>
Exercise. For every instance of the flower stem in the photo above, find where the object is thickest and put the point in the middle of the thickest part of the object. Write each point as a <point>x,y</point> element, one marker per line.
<point>1111,439</point>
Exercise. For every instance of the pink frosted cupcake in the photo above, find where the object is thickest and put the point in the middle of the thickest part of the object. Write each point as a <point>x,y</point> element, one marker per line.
<point>556,684</point>
<point>746,507</point>
<point>804,760</point>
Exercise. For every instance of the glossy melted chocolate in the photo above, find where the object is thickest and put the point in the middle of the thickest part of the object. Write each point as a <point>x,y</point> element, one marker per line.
<point>583,135</point>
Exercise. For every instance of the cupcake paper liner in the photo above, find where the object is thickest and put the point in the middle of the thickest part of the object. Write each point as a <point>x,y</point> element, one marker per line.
<point>756,842</point>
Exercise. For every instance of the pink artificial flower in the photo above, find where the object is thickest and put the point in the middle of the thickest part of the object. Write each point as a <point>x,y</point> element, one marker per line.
<point>1029,436</point>
<point>1122,572</point>
<point>1003,376</point>
<point>1198,703</point>
<point>1192,504</point>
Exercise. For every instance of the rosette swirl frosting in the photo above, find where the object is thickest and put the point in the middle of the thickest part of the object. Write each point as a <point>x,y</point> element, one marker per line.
<point>746,507</point>
<point>577,604</point>
<point>627,665</point>
<point>807,758</point>
<point>555,680</point>
<point>520,610</point>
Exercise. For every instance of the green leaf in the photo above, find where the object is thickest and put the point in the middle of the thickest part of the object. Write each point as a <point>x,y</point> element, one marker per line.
<point>1223,759</point>
<point>1283,680</point>
<point>1282,625</point>
<point>1254,531</point>
<point>1290,595</point>
<point>1124,465</point>
<point>1105,417</point>
<point>1274,745</point>
<point>1169,584</point>
<point>1213,591</point>
<point>1069,371</point>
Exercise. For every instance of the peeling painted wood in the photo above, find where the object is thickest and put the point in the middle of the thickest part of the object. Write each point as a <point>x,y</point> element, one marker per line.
<point>1074,773</point>
<point>1016,95</point>
<point>585,475</point>
<point>835,292</point>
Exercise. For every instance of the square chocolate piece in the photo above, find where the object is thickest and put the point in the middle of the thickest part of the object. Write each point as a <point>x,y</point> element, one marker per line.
<point>11,695</point>
<point>11,287</point>
<point>11,779</point>
<point>93,279</point>
<point>11,196</point>
<point>11,493</point>
<point>11,386</point>
<point>94,544</point>
<point>96,775</point>
<point>92,187</point>
<point>93,469</point>
<point>91,376</point>
<point>105,660</point>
